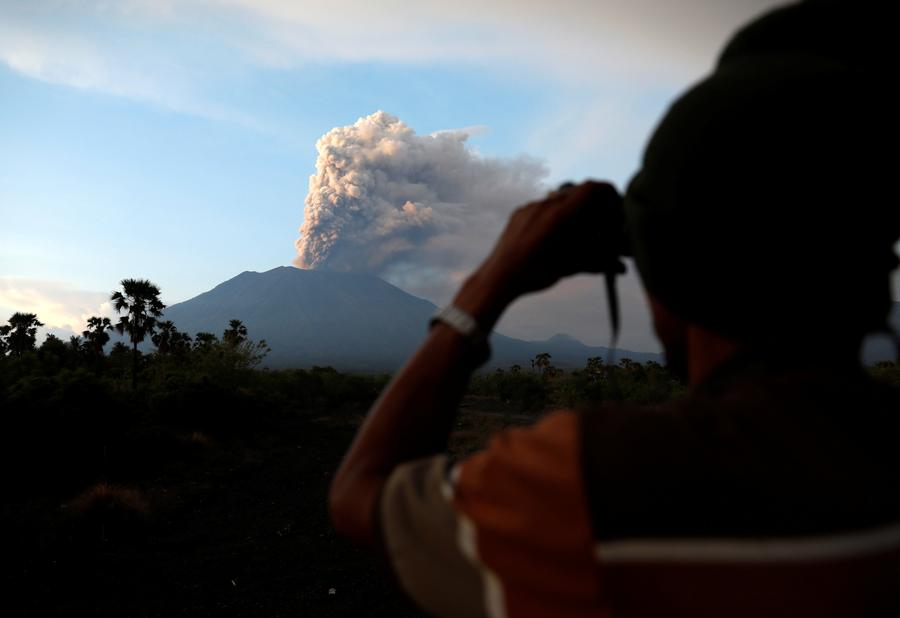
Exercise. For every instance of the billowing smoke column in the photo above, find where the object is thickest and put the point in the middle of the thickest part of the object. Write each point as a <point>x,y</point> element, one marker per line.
<point>384,198</point>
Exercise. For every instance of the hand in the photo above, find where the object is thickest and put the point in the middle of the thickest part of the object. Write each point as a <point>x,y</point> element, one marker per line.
<point>576,230</point>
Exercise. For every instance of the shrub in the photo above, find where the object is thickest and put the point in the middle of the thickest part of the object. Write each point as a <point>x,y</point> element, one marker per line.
<point>108,511</point>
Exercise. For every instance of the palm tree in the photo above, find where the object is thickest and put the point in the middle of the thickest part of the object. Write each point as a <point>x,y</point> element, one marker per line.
<point>169,340</point>
<point>542,361</point>
<point>20,333</point>
<point>204,341</point>
<point>96,335</point>
<point>628,365</point>
<point>594,368</point>
<point>235,335</point>
<point>162,339</point>
<point>139,300</point>
<point>76,347</point>
<point>244,352</point>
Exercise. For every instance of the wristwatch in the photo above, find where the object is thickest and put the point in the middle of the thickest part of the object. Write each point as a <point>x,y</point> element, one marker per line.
<point>464,324</point>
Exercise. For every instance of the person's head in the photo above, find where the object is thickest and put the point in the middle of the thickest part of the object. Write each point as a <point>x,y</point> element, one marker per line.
<point>762,211</point>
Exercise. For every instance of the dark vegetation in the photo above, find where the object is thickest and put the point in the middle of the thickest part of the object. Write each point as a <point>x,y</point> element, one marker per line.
<point>187,482</point>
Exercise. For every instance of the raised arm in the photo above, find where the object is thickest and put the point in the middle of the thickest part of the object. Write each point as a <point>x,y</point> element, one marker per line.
<point>543,241</point>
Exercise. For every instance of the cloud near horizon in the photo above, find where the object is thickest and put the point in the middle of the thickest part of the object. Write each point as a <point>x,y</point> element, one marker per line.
<point>63,309</point>
<point>385,200</point>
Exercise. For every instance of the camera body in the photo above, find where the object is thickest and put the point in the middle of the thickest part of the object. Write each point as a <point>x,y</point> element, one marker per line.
<point>613,241</point>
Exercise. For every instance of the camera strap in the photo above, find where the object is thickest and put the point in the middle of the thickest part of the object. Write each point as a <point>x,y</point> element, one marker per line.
<point>612,299</point>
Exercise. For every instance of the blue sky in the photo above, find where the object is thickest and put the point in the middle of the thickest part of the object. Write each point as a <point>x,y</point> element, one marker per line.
<point>174,139</point>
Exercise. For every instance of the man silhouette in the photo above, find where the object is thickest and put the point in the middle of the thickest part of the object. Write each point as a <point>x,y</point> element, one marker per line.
<point>760,226</point>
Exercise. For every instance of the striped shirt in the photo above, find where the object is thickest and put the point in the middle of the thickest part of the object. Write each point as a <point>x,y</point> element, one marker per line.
<point>765,493</point>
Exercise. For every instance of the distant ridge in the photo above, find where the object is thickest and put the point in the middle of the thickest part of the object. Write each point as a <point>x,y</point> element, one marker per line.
<point>352,322</point>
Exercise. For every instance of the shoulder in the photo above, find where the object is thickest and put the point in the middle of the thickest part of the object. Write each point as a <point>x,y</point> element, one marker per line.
<point>478,536</point>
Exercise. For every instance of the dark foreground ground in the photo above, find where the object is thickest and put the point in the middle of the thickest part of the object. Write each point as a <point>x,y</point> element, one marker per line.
<point>224,527</point>
<point>203,493</point>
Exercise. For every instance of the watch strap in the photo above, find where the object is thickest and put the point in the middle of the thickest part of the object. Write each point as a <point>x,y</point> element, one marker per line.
<point>462,322</point>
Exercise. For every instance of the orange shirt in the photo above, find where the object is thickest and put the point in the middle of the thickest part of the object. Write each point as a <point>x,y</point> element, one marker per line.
<point>761,495</point>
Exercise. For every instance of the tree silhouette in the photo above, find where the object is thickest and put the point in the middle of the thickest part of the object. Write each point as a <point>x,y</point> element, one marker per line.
<point>542,361</point>
<point>139,300</point>
<point>235,335</point>
<point>169,341</point>
<point>242,352</point>
<point>162,338</point>
<point>76,346</point>
<point>204,341</point>
<point>119,357</point>
<point>20,333</point>
<point>96,335</point>
<point>594,368</point>
<point>53,345</point>
<point>631,367</point>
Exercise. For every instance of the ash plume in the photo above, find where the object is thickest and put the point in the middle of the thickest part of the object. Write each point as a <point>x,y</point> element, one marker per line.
<point>384,199</point>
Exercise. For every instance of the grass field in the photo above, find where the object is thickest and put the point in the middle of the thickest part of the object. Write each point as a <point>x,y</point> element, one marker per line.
<point>202,492</point>
<point>234,527</point>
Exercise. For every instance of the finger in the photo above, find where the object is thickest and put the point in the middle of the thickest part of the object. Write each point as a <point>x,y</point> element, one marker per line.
<point>563,189</point>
